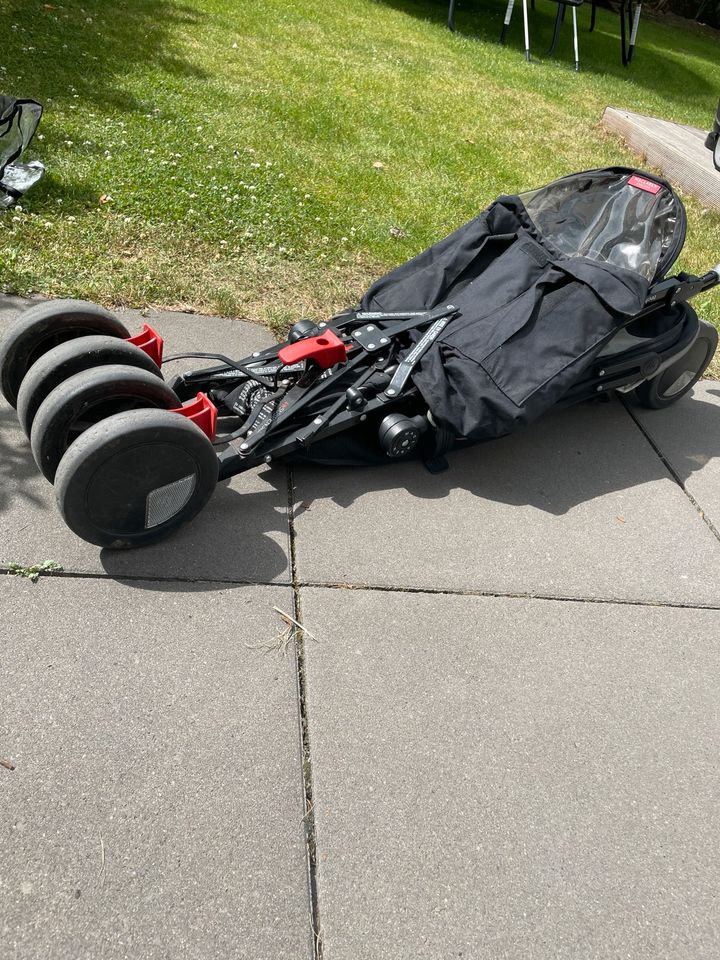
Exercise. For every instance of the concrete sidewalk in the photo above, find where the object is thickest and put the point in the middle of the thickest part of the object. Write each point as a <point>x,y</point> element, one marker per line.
<point>503,742</point>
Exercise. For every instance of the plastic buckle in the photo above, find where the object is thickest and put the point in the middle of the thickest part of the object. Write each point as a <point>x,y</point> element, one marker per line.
<point>203,413</point>
<point>150,342</point>
<point>326,350</point>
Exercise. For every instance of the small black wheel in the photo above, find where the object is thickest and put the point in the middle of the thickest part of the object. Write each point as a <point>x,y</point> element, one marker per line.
<point>399,435</point>
<point>43,327</point>
<point>134,478</point>
<point>87,398</point>
<point>681,377</point>
<point>73,357</point>
<point>302,329</point>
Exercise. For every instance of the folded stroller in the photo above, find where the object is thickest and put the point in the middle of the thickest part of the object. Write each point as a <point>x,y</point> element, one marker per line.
<point>549,297</point>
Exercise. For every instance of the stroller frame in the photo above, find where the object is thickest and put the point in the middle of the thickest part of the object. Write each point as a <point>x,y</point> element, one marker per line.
<point>372,340</point>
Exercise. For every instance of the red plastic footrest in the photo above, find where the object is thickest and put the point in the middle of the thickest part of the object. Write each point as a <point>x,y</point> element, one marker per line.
<point>203,413</point>
<point>326,350</point>
<point>150,342</point>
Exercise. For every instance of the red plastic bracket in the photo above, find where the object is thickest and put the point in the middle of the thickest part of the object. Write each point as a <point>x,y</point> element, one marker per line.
<point>203,413</point>
<point>326,350</point>
<point>150,342</point>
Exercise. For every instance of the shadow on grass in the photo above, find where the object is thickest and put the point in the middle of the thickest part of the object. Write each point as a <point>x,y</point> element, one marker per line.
<point>600,51</point>
<point>79,54</point>
<point>76,60</point>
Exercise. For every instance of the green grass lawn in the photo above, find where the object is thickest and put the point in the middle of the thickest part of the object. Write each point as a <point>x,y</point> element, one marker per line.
<point>266,160</point>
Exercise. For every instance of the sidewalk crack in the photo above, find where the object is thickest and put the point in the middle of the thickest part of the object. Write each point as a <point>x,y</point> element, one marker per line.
<point>305,753</point>
<point>670,469</point>
<point>505,595</point>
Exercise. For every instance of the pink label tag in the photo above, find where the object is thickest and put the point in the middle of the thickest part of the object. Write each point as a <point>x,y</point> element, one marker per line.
<point>642,184</point>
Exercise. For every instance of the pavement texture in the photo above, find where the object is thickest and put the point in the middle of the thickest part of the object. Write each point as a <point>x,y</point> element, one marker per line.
<point>496,738</point>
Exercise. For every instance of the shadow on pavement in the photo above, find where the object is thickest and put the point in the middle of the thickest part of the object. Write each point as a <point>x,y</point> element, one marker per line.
<point>565,459</point>
<point>17,467</point>
<point>228,540</point>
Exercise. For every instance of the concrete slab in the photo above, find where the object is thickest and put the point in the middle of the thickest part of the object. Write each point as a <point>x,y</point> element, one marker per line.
<point>515,779</point>
<point>155,807</point>
<point>242,535</point>
<point>576,505</point>
<point>688,436</point>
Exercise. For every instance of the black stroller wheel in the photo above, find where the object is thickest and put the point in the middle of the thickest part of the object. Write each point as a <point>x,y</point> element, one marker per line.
<point>134,478</point>
<point>302,329</point>
<point>87,398</point>
<point>677,380</point>
<point>399,435</point>
<point>43,327</point>
<point>67,359</point>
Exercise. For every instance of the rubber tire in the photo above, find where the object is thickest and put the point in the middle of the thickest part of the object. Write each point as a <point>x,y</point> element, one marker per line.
<point>302,329</point>
<point>69,358</point>
<point>93,476</point>
<point>91,395</point>
<point>652,393</point>
<point>43,327</point>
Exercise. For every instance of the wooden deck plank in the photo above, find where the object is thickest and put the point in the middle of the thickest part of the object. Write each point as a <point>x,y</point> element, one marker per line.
<point>676,149</point>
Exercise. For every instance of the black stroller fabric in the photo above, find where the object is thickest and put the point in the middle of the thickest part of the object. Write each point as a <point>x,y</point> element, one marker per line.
<point>18,122</point>
<point>542,281</point>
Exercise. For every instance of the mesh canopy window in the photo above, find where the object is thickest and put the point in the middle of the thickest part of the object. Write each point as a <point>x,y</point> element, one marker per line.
<point>614,217</point>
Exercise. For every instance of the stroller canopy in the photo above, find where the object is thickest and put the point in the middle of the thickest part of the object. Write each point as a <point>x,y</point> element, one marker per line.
<point>607,215</point>
<point>541,281</point>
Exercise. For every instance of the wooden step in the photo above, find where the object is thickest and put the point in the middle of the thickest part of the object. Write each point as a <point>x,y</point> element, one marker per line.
<point>677,150</point>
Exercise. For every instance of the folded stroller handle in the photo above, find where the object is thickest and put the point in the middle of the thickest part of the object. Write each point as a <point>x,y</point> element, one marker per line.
<point>681,288</point>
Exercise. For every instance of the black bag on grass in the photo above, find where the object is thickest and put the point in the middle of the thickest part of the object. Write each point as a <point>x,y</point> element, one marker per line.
<point>18,122</point>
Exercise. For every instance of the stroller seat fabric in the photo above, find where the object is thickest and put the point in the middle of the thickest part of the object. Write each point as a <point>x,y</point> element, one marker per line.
<point>542,281</point>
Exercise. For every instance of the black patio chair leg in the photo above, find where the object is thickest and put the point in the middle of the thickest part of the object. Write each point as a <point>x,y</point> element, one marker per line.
<point>506,21</point>
<point>633,33</point>
<point>559,17</point>
<point>593,13</point>
<point>451,15</point>
<point>623,34</point>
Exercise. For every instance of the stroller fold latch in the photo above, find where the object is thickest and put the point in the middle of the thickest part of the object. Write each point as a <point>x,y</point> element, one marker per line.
<point>325,350</point>
<point>202,412</point>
